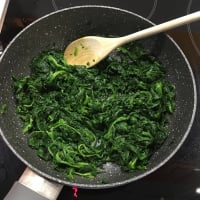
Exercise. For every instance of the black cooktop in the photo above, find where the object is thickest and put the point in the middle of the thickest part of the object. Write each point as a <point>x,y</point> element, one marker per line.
<point>179,179</point>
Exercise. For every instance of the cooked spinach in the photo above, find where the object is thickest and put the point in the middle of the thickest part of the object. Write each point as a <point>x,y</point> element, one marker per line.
<point>79,118</point>
<point>3,108</point>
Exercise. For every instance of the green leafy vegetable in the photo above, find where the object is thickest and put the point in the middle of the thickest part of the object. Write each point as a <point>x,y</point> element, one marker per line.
<point>3,108</point>
<point>79,118</point>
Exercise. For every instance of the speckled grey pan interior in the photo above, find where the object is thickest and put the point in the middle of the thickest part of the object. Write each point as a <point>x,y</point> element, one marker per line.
<point>57,30</point>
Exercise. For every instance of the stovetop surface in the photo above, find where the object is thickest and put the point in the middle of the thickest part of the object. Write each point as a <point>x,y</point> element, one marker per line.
<point>178,179</point>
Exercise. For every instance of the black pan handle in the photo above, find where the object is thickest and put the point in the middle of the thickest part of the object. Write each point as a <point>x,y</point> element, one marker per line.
<point>21,192</point>
<point>31,186</point>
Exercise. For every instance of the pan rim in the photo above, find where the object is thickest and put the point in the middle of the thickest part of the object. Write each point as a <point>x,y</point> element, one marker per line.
<point>120,183</point>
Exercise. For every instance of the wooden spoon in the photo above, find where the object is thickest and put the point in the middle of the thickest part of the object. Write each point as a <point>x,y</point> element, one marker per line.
<point>90,50</point>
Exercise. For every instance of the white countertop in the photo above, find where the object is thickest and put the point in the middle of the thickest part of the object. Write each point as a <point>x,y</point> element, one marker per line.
<point>3,9</point>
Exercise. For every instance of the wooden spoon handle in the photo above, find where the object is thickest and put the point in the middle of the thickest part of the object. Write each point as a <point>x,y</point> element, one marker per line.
<point>160,28</point>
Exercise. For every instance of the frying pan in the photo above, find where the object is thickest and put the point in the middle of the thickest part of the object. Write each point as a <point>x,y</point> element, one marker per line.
<point>56,30</point>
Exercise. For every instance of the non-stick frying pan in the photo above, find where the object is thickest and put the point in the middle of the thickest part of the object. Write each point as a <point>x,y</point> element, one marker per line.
<point>56,30</point>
